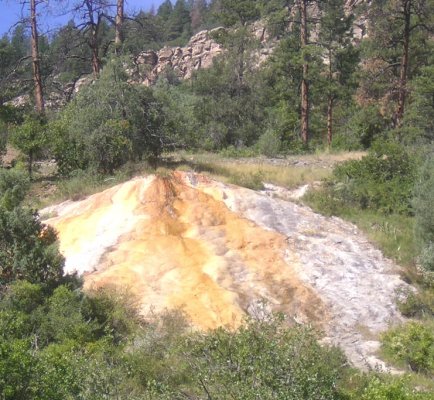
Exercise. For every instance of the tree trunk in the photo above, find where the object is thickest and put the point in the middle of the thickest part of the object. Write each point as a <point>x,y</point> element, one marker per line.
<point>402,86</point>
<point>93,39</point>
<point>96,62</point>
<point>241,52</point>
<point>119,26</point>
<point>330,102</point>
<point>304,83</point>
<point>39,97</point>
<point>329,121</point>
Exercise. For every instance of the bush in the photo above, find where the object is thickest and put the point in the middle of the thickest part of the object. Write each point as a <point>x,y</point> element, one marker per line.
<point>412,344</point>
<point>110,146</point>
<point>30,137</point>
<point>364,127</point>
<point>383,180</point>
<point>269,144</point>
<point>107,124</point>
<point>416,305</point>
<point>423,204</point>
<point>28,248</point>
<point>381,388</point>
<point>265,360</point>
<point>14,185</point>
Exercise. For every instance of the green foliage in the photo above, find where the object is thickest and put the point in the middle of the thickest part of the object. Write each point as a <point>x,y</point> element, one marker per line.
<point>28,248</point>
<point>382,180</point>
<point>265,360</point>
<point>16,367</point>
<point>380,388</point>
<point>110,146</point>
<point>423,205</point>
<point>416,304</point>
<point>107,124</point>
<point>227,112</point>
<point>412,344</point>
<point>269,144</point>
<point>418,122</point>
<point>239,12</point>
<point>180,123</point>
<point>62,319</point>
<point>364,126</point>
<point>23,296</point>
<point>14,185</point>
<point>30,137</point>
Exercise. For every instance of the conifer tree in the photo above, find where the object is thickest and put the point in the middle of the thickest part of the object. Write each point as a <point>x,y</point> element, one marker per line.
<point>340,56</point>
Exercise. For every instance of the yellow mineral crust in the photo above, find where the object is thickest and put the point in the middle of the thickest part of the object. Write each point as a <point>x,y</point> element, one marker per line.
<point>172,245</point>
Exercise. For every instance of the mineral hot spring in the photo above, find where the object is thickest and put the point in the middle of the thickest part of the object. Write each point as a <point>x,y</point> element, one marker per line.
<point>221,252</point>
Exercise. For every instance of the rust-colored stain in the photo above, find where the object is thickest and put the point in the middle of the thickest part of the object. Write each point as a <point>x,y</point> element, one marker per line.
<point>174,245</point>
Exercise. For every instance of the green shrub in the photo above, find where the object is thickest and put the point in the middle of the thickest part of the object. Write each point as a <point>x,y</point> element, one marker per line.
<point>28,248</point>
<point>365,126</point>
<point>411,344</point>
<point>269,144</point>
<point>416,305</point>
<point>107,124</point>
<point>423,204</point>
<point>31,138</point>
<point>110,146</point>
<point>265,360</point>
<point>14,185</point>
<point>383,180</point>
<point>386,388</point>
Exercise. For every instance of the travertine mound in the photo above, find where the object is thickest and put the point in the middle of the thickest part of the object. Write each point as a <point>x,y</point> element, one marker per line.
<point>218,251</point>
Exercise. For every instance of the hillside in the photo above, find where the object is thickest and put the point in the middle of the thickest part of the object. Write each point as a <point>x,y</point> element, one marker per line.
<point>236,200</point>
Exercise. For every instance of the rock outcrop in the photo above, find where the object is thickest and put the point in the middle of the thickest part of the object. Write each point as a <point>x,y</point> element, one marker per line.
<point>198,53</point>
<point>219,251</point>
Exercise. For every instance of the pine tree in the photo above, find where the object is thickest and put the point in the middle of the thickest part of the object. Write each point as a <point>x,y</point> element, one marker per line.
<point>197,14</point>
<point>165,10</point>
<point>394,53</point>
<point>179,21</point>
<point>340,56</point>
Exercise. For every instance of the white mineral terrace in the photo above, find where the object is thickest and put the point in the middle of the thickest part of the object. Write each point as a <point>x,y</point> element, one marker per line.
<point>219,251</point>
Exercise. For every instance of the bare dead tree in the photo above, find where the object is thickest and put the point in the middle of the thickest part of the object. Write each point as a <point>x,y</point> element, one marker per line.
<point>119,26</point>
<point>36,64</point>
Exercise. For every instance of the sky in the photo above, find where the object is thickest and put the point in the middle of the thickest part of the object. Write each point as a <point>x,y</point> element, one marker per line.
<point>10,11</point>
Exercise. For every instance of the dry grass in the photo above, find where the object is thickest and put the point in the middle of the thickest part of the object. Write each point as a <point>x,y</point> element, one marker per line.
<point>290,172</point>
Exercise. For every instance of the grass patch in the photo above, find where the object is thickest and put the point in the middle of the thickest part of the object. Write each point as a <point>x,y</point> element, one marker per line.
<point>253,174</point>
<point>291,172</point>
<point>82,184</point>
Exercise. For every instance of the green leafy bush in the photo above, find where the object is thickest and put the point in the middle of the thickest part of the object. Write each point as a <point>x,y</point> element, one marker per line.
<point>416,304</point>
<point>31,138</point>
<point>265,360</point>
<point>411,344</point>
<point>107,124</point>
<point>269,144</point>
<point>383,180</point>
<point>28,248</point>
<point>384,388</point>
<point>423,205</point>
<point>14,185</point>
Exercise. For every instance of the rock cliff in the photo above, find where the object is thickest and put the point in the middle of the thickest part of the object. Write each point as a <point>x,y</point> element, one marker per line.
<point>198,53</point>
